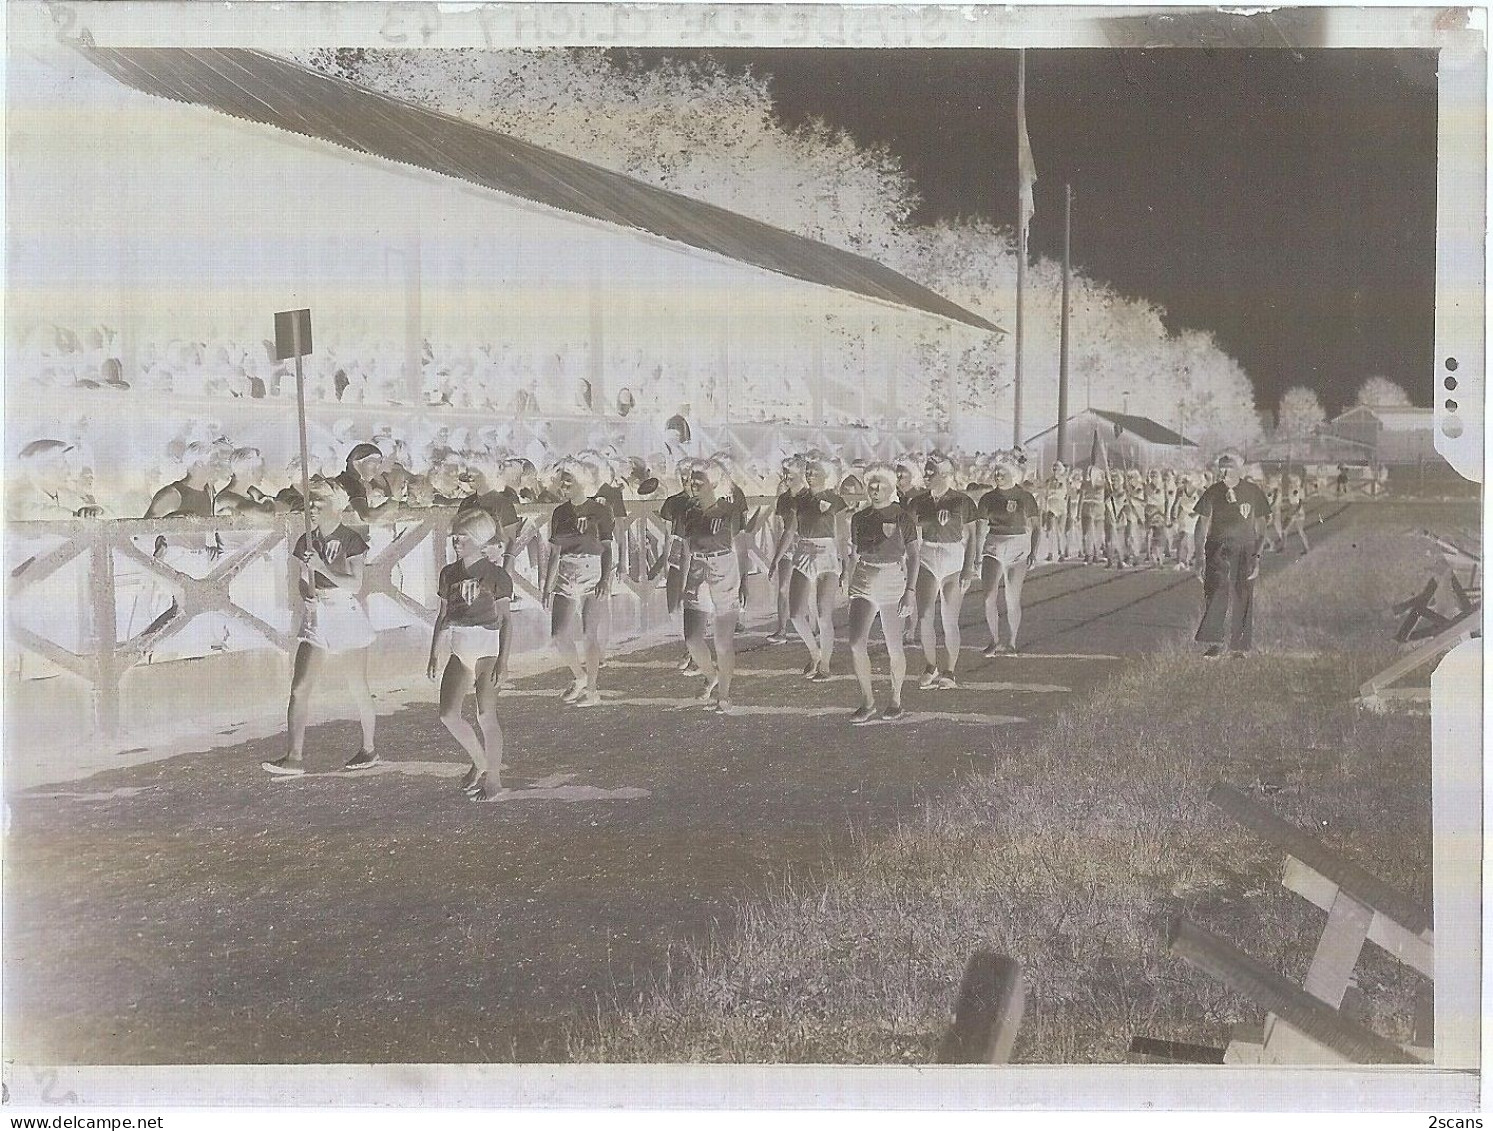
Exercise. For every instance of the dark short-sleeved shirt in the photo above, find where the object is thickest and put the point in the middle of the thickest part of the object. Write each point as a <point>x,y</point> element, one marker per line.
<point>337,549</point>
<point>910,498</point>
<point>673,508</point>
<point>497,504</point>
<point>881,534</point>
<point>1232,512</point>
<point>1007,512</point>
<point>472,592</point>
<point>713,528</point>
<point>739,501</point>
<point>942,518</point>
<point>357,490</point>
<point>581,529</point>
<point>816,513</point>
<point>611,495</point>
<point>786,504</point>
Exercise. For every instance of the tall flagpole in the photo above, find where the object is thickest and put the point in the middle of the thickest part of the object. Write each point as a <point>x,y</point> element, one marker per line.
<point>1063,338</point>
<point>1021,198</point>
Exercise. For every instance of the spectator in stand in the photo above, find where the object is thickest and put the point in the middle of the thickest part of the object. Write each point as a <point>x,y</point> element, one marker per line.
<point>363,465</point>
<point>194,493</point>
<point>242,495</point>
<point>48,486</point>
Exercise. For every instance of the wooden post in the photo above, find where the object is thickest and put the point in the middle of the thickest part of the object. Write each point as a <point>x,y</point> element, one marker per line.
<point>414,376</point>
<point>105,689</point>
<point>987,1013</point>
<point>1062,437</point>
<point>596,364</point>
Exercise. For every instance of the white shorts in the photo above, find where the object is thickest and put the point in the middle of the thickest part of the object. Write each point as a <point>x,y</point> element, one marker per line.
<point>881,583</point>
<point>577,576</point>
<point>1008,549</point>
<point>713,583</point>
<point>941,559</point>
<point>335,621</point>
<point>473,642</point>
<point>814,557</point>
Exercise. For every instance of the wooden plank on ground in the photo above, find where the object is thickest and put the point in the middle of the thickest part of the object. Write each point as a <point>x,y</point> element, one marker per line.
<point>1315,1019</point>
<point>1414,950</point>
<point>987,1013</point>
<point>1357,882</point>
<point>1337,953</point>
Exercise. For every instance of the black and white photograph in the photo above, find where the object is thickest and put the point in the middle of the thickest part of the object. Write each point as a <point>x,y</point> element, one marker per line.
<point>944,541</point>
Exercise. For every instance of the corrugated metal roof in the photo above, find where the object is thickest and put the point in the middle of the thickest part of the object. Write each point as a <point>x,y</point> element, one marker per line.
<point>276,92</point>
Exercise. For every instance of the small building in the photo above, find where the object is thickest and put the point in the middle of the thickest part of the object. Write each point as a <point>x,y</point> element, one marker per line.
<point>1113,439</point>
<point>1389,433</point>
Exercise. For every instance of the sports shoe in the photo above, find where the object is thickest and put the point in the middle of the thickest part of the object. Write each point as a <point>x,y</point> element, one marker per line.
<point>691,668</point>
<point>777,638</point>
<point>473,776</point>
<point>930,679</point>
<point>862,715</point>
<point>288,767</point>
<point>892,712</point>
<point>1214,652</point>
<point>821,675</point>
<point>708,695</point>
<point>475,786</point>
<point>362,760</point>
<point>574,691</point>
<point>947,682</point>
<point>589,699</point>
<point>724,707</point>
<point>487,792</point>
<point>810,668</point>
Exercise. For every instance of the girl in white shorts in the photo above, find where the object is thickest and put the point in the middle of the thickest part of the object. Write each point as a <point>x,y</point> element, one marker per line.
<point>883,562</point>
<point>332,621</point>
<point>578,580</point>
<point>1012,525</point>
<point>816,568</point>
<point>468,647</point>
<point>946,566</point>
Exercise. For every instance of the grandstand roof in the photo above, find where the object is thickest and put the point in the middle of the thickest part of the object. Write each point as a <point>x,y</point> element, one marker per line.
<point>272,91</point>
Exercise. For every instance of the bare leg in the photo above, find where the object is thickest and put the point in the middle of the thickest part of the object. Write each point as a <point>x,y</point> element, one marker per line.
<point>456,685</point>
<point>487,720</point>
<point>308,664</point>
<point>1015,576</point>
<point>926,594</point>
<point>594,616</point>
<point>952,603</point>
<point>993,574</point>
<point>862,614</point>
<point>828,584</point>
<point>562,630</point>
<point>801,593</point>
<point>891,632</point>
<point>784,580</point>
<point>357,683</point>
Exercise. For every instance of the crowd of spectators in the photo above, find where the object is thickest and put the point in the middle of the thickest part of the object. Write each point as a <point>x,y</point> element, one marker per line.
<point>499,378</point>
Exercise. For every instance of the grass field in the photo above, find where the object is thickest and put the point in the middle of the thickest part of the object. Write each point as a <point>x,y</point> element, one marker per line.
<point>1075,850</point>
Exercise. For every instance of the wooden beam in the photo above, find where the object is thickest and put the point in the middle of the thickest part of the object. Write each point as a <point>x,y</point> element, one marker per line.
<point>1313,1018</point>
<point>987,1013</point>
<point>1464,628</point>
<point>1360,884</point>
<point>1414,950</point>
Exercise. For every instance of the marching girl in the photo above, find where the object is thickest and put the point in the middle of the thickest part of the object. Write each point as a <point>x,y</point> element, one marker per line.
<point>1184,515</point>
<point>714,577</point>
<point>1116,512</point>
<point>1054,500</point>
<point>469,646</point>
<point>946,567</point>
<point>1073,545</point>
<point>1153,497</point>
<point>332,622</point>
<point>816,567</point>
<point>671,560</point>
<point>1012,525</point>
<point>1135,516</point>
<point>1169,509</point>
<point>1091,516</point>
<point>880,577</point>
<point>785,513</point>
<point>1293,512</point>
<point>578,580</point>
<point>910,488</point>
<point>1275,530</point>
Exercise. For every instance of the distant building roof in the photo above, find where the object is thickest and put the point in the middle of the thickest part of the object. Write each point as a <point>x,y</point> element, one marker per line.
<point>276,92</point>
<point>1142,427</point>
<point>1396,417</point>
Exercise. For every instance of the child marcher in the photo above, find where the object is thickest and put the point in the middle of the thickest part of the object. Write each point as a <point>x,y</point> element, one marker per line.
<point>469,646</point>
<point>880,576</point>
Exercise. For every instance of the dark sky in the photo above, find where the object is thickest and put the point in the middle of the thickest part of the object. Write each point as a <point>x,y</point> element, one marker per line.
<point>1284,200</point>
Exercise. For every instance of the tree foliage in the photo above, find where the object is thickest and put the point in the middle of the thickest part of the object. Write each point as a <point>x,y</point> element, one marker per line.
<point>696,128</point>
<point>1300,413</point>
<point>1381,391</point>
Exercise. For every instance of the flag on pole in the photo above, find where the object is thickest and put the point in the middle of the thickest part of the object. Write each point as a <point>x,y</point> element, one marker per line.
<point>1098,456</point>
<point>1026,167</point>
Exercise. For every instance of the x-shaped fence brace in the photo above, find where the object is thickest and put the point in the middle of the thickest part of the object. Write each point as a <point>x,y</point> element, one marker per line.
<point>106,658</point>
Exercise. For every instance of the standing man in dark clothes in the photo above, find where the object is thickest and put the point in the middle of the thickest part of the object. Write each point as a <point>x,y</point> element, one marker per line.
<point>1231,526</point>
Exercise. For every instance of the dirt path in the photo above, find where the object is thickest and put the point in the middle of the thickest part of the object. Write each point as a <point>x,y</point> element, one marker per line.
<point>195,911</point>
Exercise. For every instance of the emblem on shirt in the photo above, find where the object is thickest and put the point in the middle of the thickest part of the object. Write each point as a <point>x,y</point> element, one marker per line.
<point>823,506</point>
<point>715,525</point>
<point>1244,509</point>
<point>943,518</point>
<point>580,525</point>
<point>468,591</point>
<point>1010,506</point>
<point>888,529</point>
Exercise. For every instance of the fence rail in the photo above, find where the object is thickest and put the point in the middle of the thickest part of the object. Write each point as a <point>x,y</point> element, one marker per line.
<point>204,557</point>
